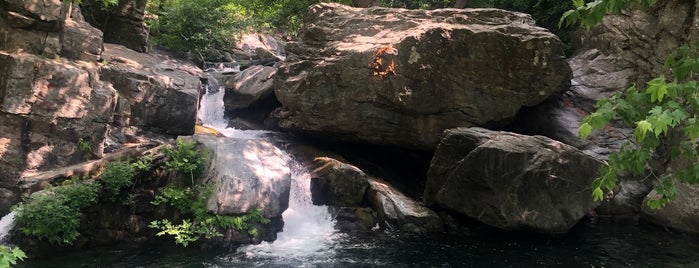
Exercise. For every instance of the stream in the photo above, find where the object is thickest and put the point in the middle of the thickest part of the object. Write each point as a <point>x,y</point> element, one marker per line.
<point>310,240</point>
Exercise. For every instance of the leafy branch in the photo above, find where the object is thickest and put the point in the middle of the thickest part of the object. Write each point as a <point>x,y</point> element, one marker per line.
<point>665,119</point>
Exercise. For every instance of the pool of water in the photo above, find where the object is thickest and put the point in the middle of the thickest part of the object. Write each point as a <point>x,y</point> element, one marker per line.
<point>588,245</point>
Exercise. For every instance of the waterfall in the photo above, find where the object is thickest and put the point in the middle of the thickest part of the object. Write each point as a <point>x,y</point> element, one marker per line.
<point>212,113</point>
<point>6,224</point>
<point>308,232</point>
<point>308,235</point>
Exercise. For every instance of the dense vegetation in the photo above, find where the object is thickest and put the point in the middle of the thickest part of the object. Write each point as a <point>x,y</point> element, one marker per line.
<point>664,115</point>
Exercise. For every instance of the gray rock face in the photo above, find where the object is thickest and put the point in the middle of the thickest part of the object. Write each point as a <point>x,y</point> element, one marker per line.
<point>50,28</point>
<point>58,105</point>
<point>400,77</point>
<point>511,181</point>
<point>160,93</point>
<point>248,87</point>
<point>680,214</point>
<point>247,174</point>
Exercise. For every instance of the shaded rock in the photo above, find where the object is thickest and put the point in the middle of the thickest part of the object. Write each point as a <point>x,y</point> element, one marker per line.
<point>48,108</point>
<point>400,211</point>
<point>680,214</point>
<point>337,184</point>
<point>627,201</point>
<point>159,93</point>
<point>353,219</point>
<point>511,181</point>
<point>247,174</point>
<point>248,87</point>
<point>400,77</point>
<point>122,24</point>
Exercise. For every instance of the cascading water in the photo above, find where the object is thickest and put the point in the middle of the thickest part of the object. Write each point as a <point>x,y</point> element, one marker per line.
<point>308,232</point>
<point>6,224</point>
<point>212,113</point>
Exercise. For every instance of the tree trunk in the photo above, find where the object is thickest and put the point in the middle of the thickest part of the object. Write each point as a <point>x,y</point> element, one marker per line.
<point>460,3</point>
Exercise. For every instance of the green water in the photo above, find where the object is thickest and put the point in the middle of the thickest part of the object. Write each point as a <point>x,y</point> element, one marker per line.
<point>588,245</point>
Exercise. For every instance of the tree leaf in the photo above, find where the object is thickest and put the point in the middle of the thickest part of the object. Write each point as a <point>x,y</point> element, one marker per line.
<point>584,130</point>
<point>642,127</point>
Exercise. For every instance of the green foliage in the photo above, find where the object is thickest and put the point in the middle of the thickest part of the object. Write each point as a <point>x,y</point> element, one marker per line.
<point>54,214</point>
<point>9,256</point>
<point>184,158</point>
<point>105,3</point>
<point>664,116</point>
<point>143,163</point>
<point>117,175</point>
<point>195,26</point>
<point>86,147</point>
<point>192,202</point>
<point>591,13</point>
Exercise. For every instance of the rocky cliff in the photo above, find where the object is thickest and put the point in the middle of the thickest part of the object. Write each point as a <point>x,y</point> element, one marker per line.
<point>63,98</point>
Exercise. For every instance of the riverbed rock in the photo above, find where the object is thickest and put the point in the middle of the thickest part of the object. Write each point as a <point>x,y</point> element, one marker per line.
<point>400,211</point>
<point>338,184</point>
<point>249,87</point>
<point>400,77</point>
<point>247,174</point>
<point>511,181</point>
<point>680,214</point>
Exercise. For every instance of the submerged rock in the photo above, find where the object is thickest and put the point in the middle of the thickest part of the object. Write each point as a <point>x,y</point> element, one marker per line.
<point>400,77</point>
<point>511,181</point>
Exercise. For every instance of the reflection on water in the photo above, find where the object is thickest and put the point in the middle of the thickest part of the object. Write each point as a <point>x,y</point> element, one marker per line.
<point>589,245</point>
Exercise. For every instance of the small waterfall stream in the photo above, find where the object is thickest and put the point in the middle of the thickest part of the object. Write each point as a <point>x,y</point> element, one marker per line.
<point>308,232</point>
<point>6,224</point>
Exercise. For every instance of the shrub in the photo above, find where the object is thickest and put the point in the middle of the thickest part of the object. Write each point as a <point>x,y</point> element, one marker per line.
<point>117,175</point>
<point>54,214</point>
<point>192,202</point>
<point>184,158</point>
<point>195,26</point>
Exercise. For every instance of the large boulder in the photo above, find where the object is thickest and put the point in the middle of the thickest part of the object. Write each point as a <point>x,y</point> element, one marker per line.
<point>247,174</point>
<point>159,93</point>
<point>511,181</point>
<point>400,77</point>
<point>680,214</point>
<point>248,87</point>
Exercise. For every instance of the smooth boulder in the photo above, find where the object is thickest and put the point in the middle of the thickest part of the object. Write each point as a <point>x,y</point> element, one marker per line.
<point>247,174</point>
<point>400,77</point>
<point>511,181</point>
